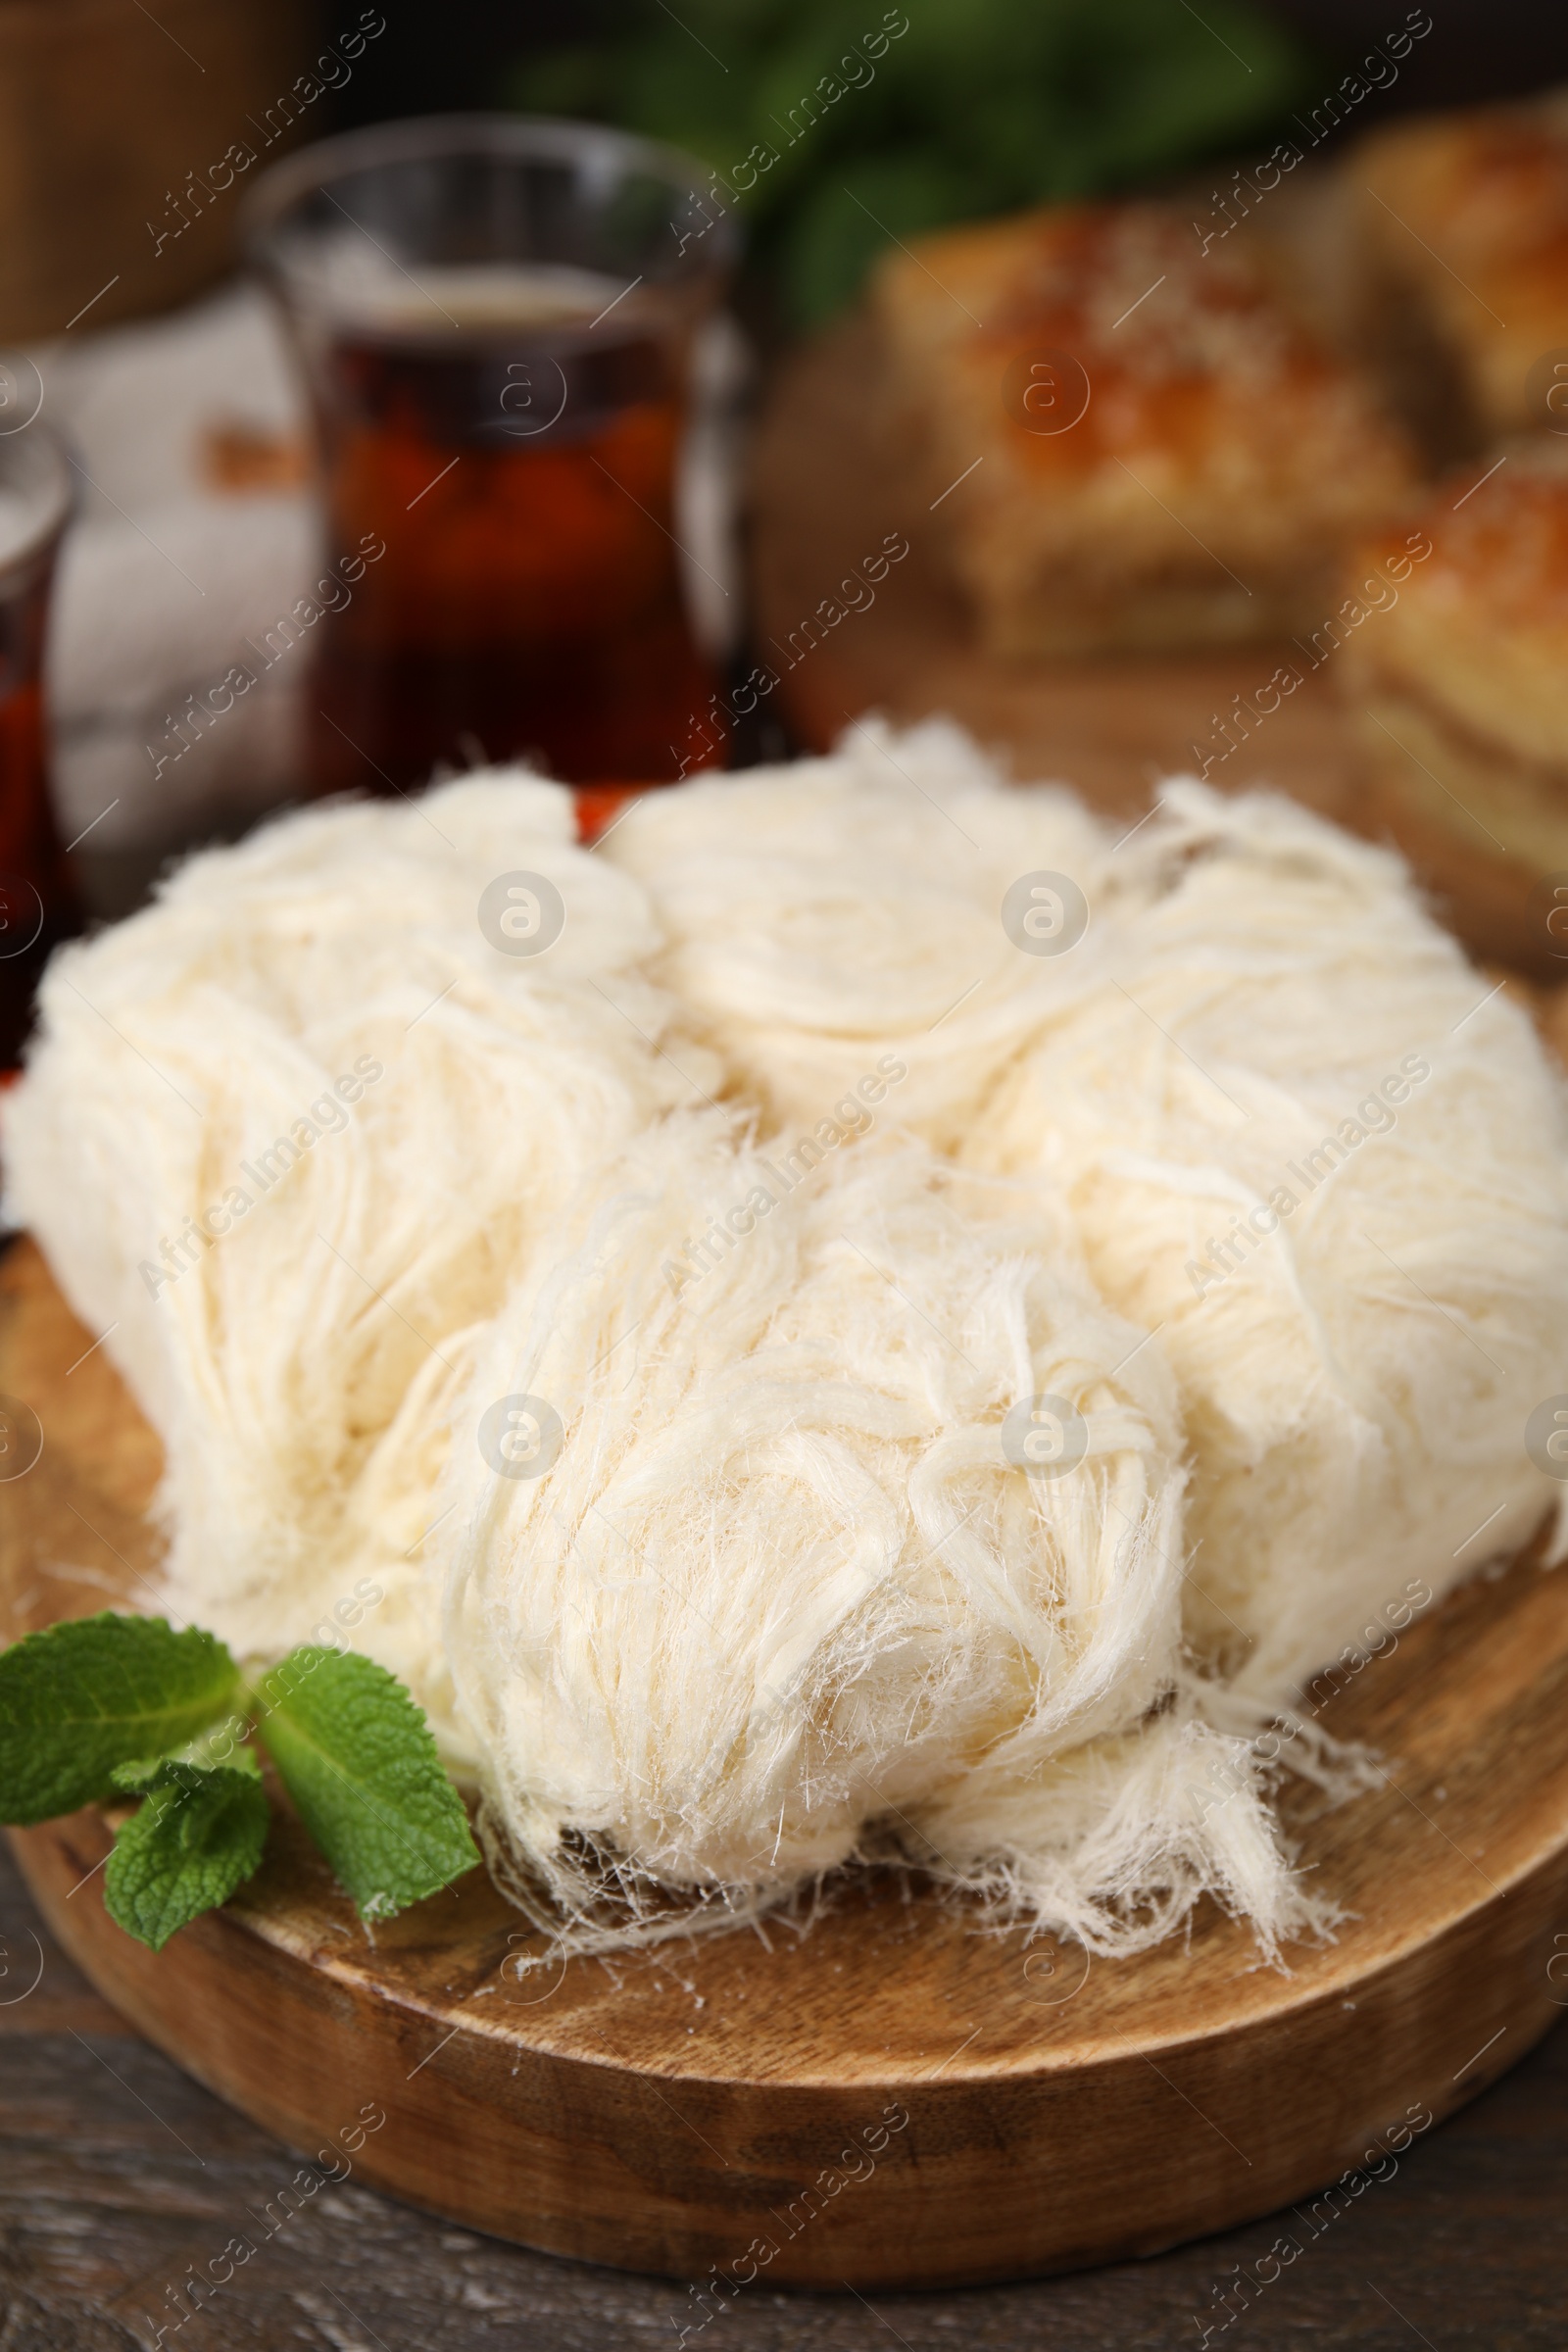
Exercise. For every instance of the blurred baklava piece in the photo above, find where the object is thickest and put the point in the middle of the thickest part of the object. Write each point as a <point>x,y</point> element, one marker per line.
<point>1131,442</point>
<point>1464,220</point>
<point>1462,682</point>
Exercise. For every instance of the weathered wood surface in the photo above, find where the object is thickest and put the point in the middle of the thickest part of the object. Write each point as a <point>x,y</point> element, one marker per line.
<point>127,136</point>
<point>118,2174</point>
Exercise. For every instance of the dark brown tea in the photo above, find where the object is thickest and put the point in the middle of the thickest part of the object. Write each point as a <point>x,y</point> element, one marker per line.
<point>509,439</point>
<point>37,905</point>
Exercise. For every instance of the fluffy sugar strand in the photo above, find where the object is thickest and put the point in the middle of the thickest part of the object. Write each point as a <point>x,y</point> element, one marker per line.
<point>283,1263</point>
<point>822,914</point>
<point>750,1212</point>
<point>1303,1141</point>
<point>1300,1139</point>
<point>782,1593</point>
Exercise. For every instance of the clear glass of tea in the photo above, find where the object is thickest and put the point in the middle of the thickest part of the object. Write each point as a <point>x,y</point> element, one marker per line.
<point>38,903</point>
<point>496,319</point>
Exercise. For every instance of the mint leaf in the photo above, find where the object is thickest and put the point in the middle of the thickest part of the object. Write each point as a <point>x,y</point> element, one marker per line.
<point>84,1696</point>
<point>195,1837</point>
<point>146,1772</point>
<point>356,1755</point>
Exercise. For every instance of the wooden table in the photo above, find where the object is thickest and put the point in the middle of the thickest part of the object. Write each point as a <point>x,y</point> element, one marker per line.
<point>116,2173</point>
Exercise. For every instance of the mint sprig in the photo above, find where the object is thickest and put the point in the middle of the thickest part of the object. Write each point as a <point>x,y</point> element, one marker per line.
<point>196,1836</point>
<point>96,1691</point>
<point>111,1703</point>
<point>356,1755</point>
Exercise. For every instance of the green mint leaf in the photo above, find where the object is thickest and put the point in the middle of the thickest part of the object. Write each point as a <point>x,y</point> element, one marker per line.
<point>356,1755</point>
<point>96,1691</point>
<point>195,1837</point>
<point>145,1772</point>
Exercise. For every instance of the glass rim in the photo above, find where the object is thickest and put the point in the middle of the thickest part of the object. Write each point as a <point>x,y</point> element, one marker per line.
<point>423,138</point>
<point>54,478</point>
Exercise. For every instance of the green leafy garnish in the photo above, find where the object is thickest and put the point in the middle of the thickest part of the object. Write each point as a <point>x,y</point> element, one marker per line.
<point>356,1755</point>
<point>837,125</point>
<point>197,1836</point>
<point>126,1705</point>
<point>84,1696</point>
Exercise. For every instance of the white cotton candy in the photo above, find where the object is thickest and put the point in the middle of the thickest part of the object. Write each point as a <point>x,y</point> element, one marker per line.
<point>782,1595</point>
<point>822,914</point>
<point>620,1346</point>
<point>274,1358</point>
<point>1355,1391</point>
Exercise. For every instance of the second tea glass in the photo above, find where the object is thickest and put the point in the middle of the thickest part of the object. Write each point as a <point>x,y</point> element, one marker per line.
<point>38,903</point>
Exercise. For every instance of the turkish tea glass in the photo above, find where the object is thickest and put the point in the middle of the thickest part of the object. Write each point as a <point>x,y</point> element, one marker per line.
<point>496,319</point>
<point>38,903</point>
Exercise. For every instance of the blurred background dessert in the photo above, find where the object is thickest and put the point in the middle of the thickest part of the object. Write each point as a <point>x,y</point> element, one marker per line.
<point>1145,445</point>
<point>1465,227</point>
<point>1461,696</point>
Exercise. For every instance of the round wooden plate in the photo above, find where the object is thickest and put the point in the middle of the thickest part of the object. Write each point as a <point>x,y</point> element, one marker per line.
<point>891,2099</point>
<point>828,490</point>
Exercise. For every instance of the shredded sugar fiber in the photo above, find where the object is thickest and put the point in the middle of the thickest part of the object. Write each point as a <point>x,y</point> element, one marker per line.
<point>872,1317</point>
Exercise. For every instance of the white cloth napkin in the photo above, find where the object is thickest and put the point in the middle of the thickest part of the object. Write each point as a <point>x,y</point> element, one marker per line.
<point>164,575</point>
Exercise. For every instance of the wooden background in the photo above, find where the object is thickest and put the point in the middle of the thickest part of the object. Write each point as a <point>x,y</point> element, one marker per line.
<point>105,106</point>
<point>117,2171</point>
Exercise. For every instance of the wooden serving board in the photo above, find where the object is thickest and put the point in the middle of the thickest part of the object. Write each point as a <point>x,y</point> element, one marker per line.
<point>828,490</point>
<point>891,2099</point>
